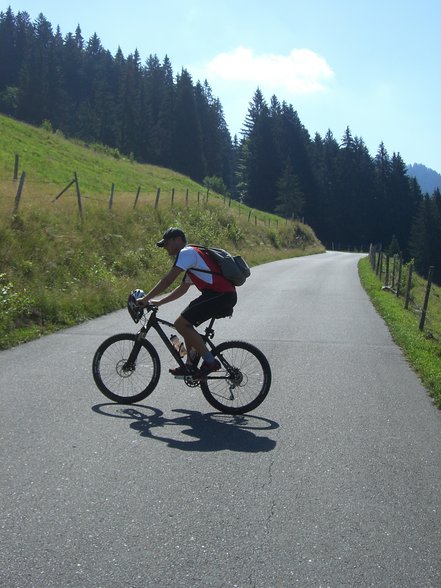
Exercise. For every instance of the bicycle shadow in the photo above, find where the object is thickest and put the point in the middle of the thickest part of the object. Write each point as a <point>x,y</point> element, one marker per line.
<point>208,432</point>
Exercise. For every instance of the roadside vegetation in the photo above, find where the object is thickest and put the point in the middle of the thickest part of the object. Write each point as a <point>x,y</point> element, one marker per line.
<point>57,270</point>
<point>421,348</point>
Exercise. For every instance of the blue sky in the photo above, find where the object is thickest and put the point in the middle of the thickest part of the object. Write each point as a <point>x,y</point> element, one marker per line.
<point>373,66</point>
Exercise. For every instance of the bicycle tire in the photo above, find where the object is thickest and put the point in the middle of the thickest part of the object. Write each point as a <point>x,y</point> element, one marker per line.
<point>114,380</point>
<point>249,383</point>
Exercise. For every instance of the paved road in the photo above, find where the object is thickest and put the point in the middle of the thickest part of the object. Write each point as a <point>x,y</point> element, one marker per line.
<point>334,481</point>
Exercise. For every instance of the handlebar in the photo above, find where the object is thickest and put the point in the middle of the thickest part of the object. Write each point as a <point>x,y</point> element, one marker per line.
<point>137,312</point>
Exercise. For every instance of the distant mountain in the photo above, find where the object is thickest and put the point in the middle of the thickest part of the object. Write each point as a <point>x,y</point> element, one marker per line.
<point>427,178</point>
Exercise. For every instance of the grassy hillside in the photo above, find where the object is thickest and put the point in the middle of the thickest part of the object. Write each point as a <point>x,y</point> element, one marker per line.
<point>50,158</point>
<point>57,269</point>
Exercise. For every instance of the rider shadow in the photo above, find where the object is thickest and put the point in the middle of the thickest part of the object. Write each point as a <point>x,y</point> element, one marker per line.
<point>206,432</point>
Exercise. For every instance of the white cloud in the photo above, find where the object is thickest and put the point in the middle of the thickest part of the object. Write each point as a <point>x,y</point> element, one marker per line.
<point>300,72</point>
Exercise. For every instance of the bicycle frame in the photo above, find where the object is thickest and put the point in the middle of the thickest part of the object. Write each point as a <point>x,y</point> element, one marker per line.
<point>155,323</point>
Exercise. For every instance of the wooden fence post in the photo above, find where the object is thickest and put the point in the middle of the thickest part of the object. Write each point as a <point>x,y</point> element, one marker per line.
<point>371,251</point>
<point>400,269</point>
<point>426,298</point>
<point>158,192</point>
<point>394,267</point>
<point>19,191</point>
<point>64,190</point>
<point>16,166</point>
<point>386,280</point>
<point>409,286</point>
<point>186,198</point>
<point>137,196</point>
<point>77,186</point>
<point>173,196</point>
<point>377,261</point>
<point>112,190</point>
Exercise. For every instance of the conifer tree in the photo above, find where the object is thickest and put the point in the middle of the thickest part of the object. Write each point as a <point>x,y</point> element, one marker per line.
<point>74,82</point>
<point>262,163</point>
<point>290,198</point>
<point>153,101</point>
<point>8,57</point>
<point>327,221</point>
<point>425,239</point>
<point>293,143</point>
<point>382,173</point>
<point>34,74</point>
<point>216,140</point>
<point>402,204</point>
<point>188,156</point>
<point>357,186</point>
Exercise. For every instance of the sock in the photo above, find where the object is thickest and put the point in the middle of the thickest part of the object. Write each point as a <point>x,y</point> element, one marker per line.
<point>191,356</point>
<point>208,357</point>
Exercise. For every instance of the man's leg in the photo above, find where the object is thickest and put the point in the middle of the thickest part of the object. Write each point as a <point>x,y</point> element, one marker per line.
<point>191,337</point>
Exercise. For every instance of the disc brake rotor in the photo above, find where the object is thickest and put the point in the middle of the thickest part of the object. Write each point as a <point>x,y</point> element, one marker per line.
<point>123,370</point>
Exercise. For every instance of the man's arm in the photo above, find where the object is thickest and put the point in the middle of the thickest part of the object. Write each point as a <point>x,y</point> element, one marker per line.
<point>161,286</point>
<point>174,295</point>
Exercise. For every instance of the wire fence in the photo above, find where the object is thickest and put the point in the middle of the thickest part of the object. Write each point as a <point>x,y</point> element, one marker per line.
<point>21,192</point>
<point>419,296</point>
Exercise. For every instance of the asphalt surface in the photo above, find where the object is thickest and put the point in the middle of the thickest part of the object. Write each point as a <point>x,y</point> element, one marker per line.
<point>335,480</point>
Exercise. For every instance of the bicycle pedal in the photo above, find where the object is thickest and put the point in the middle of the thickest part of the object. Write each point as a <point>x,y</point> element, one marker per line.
<point>182,375</point>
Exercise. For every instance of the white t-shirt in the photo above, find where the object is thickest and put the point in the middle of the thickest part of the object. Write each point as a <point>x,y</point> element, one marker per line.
<point>189,258</point>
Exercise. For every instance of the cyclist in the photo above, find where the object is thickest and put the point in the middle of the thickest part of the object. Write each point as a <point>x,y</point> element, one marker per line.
<point>218,296</point>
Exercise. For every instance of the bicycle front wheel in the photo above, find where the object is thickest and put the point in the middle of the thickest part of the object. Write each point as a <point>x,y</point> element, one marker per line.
<point>243,382</point>
<point>123,381</point>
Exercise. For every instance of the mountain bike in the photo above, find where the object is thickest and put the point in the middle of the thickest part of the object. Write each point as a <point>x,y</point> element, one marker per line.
<point>126,367</point>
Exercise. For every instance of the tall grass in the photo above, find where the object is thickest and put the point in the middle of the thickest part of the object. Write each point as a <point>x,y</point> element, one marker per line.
<point>57,271</point>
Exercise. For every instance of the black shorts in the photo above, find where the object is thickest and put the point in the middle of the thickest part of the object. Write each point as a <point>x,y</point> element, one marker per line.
<point>208,305</point>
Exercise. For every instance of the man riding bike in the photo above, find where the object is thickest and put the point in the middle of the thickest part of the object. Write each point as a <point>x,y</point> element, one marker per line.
<point>218,296</point>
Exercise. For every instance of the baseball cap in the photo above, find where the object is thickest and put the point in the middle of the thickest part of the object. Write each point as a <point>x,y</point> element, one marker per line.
<point>171,233</point>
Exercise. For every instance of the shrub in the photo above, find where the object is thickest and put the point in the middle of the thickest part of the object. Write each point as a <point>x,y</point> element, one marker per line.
<point>14,304</point>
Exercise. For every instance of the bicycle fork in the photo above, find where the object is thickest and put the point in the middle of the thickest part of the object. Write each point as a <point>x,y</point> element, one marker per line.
<point>130,364</point>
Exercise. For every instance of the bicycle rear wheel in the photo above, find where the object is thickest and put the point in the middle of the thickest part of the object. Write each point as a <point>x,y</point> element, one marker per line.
<point>116,378</point>
<point>244,385</point>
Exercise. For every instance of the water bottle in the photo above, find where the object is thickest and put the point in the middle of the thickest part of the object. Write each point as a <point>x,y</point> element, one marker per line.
<point>180,347</point>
